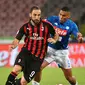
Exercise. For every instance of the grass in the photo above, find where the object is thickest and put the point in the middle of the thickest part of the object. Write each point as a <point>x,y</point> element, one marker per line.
<point>51,76</point>
<point>7,38</point>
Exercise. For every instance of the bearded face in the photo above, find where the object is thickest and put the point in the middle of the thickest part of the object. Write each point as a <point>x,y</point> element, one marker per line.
<point>35,16</point>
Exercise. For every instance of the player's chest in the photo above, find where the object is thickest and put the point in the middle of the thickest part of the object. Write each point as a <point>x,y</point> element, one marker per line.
<point>62,29</point>
<point>37,31</point>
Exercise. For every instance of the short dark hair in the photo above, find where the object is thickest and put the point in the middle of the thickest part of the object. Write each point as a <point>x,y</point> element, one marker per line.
<point>34,8</point>
<point>65,8</point>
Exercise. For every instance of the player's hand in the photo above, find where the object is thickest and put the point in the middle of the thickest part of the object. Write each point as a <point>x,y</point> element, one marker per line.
<point>51,40</point>
<point>11,47</point>
<point>80,38</point>
<point>14,44</point>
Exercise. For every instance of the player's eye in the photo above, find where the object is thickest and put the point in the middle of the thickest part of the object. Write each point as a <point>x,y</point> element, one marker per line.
<point>34,14</point>
<point>38,14</point>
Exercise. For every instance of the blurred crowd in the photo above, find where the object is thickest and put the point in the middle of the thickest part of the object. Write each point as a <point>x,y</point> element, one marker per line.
<point>14,13</point>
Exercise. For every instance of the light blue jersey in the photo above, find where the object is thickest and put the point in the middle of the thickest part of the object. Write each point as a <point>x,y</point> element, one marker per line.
<point>64,30</point>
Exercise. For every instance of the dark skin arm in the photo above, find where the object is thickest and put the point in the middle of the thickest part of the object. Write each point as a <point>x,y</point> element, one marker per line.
<point>54,39</point>
<point>79,37</point>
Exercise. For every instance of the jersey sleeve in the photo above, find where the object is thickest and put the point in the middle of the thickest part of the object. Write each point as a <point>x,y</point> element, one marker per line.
<point>51,19</point>
<point>75,30</point>
<point>20,33</point>
<point>51,29</point>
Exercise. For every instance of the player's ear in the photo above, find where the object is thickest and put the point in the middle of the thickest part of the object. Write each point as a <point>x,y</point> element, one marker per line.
<point>69,15</point>
<point>29,14</point>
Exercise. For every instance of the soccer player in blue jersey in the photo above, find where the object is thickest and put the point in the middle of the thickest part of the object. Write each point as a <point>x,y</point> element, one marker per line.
<point>59,52</point>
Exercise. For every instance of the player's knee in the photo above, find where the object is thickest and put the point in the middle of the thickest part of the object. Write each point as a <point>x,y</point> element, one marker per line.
<point>17,69</point>
<point>23,82</point>
<point>69,78</point>
<point>44,64</point>
<point>42,67</point>
<point>38,76</point>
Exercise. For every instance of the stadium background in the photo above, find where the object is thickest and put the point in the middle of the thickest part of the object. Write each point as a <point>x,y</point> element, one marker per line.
<point>14,13</point>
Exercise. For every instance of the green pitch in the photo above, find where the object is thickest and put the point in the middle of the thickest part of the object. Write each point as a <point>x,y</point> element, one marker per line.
<point>51,76</point>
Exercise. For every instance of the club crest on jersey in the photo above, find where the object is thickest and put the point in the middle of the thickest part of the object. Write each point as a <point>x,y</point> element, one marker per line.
<point>28,28</point>
<point>42,28</point>
<point>67,27</point>
<point>35,34</point>
<point>56,23</point>
<point>61,31</point>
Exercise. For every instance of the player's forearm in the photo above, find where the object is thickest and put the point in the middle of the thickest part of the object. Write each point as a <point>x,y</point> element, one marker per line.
<point>14,43</point>
<point>79,37</point>
<point>56,37</point>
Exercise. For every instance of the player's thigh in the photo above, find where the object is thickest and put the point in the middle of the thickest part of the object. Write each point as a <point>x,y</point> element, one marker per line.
<point>31,70</point>
<point>50,57</point>
<point>62,59</point>
<point>17,69</point>
<point>18,63</point>
<point>20,60</point>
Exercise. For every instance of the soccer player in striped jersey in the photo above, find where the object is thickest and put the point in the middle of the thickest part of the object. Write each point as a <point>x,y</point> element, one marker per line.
<point>37,35</point>
<point>58,52</point>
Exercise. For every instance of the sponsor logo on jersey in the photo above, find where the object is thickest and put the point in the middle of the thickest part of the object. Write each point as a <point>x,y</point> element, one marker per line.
<point>61,32</point>
<point>35,37</point>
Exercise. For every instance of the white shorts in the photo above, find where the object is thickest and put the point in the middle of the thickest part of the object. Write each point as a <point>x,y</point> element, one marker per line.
<point>59,56</point>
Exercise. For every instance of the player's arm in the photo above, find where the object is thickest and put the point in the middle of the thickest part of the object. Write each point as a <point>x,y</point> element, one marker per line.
<point>55,37</point>
<point>79,37</point>
<point>14,44</point>
<point>17,39</point>
<point>51,19</point>
<point>77,34</point>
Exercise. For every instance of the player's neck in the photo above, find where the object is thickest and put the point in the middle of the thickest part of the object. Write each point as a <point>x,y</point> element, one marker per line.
<point>32,23</point>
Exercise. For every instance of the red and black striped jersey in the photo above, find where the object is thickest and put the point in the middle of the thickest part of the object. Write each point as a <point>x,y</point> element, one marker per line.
<point>36,37</point>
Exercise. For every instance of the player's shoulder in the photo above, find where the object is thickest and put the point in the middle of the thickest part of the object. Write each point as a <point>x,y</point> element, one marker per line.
<point>71,21</point>
<point>26,23</point>
<point>53,17</point>
<point>72,24</point>
<point>46,22</point>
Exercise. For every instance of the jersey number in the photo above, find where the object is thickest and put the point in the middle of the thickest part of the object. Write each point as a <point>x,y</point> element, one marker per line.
<point>60,38</point>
